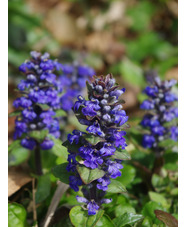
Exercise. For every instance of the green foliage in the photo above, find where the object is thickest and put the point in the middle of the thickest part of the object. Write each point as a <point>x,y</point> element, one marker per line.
<point>121,155</point>
<point>171,161</point>
<point>116,187</point>
<point>131,72</point>
<point>39,135</point>
<point>88,175</point>
<point>72,147</point>
<point>127,219</point>
<point>141,15</point>
<point>43,188</point>
<point>149,208</point>
<point>128,174</point>
<point>80,217</point>
<point>15,113</point>
<point>17,153</point>
<point>92,139</point>
<point>16,215</point>
<point>60,172</point>
<point>157,197</point>
<point>105,221</point>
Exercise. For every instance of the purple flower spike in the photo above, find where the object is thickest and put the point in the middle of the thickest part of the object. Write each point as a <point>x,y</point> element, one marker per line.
<point>38,87</point>
<point>104,116</point>
<point>161,110</point>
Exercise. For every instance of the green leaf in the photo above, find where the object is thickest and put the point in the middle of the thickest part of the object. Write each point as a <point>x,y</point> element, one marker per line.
<point>60,113</point>
<point>14,145</point>
<point>131,72</point>
<point>121,155</point>
<point>159,182</point>
<point>17,153</point>
<point>15,113</point>
<point>149,208</point>
<point>171,161</point>
<point>61,172</point>
<point>140,15</point>
<point>16,215</point>
<point>58,149</point>
<point>38,135</point>
<point>146,222</point>
<point>72,147</point>
<point>80,217</point>
<point>166,218</point>
<point>105,221</point>
<point>48,159</point>
<point>124,208</point>
<point>43,188</point>
<point>116,187</point>
<point>128,174</point>
<point>93,139</point>
<point>88,175</point>
<point>156,197</point>
<point>127,219</point>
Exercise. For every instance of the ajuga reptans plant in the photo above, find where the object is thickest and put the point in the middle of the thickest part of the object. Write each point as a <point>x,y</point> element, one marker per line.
<point>39,98</point>
<point>161,113</point>
<point>48,86</point>
<point>95,156</point>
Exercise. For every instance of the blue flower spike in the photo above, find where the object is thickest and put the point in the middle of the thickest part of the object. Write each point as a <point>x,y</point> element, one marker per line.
<point>161,111</point>
<point>94,150</point>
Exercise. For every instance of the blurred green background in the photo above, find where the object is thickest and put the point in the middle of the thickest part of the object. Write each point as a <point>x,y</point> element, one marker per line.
<point>125,38</point>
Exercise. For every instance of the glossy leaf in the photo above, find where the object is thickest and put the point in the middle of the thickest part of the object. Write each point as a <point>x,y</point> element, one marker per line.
<point>80,217</point>
<point>105,221</point>
<point>116,187</point>
<point>16,215</point>
<point>43,188</point>
<point>121,155</point>
<point>88,175</point>
<point>127,219</point>
<point>124,208</point>
<point>166,218</point>
<point>92,139</point>
<point>60,172</point>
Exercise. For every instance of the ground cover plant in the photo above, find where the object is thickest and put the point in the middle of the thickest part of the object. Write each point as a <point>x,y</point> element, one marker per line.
<point>93,113</point>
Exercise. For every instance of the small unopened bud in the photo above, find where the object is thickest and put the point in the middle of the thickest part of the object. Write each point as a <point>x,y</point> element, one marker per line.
<point>99,88</point>
<point>104,102</point>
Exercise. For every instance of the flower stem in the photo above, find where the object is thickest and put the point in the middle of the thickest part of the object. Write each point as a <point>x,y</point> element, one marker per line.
<point>38,164</point>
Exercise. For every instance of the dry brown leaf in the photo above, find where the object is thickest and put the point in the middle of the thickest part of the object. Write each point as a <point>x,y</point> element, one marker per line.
<point>172,74</point>
<point>62,26</point>
<point>104,43</point>
<point>17,177</point>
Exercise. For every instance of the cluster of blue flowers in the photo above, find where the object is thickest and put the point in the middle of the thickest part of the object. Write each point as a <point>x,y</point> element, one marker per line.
<point>71,83</point>
<point>37,89</point>
<point>43,86</point>
<point>105,118</point>
<point>161,111</point>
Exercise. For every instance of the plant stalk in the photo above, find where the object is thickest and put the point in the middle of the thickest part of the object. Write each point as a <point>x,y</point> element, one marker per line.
<point>38,164</point>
